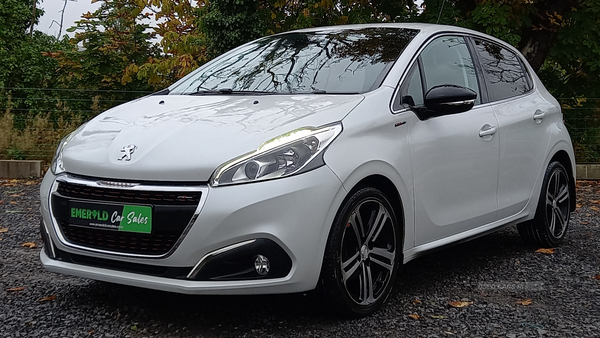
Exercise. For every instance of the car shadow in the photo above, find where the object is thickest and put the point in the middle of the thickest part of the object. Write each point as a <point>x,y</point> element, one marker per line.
<point>262,315</point>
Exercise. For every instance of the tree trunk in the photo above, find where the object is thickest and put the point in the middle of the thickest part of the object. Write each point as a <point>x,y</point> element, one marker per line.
<point>538,39</point>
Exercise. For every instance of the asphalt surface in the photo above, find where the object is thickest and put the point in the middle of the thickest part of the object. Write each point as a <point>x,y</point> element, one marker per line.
<point>506,289</point>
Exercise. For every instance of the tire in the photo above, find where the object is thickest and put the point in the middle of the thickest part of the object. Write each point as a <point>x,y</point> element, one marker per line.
<point>363,254</point>
<point>549,226</point>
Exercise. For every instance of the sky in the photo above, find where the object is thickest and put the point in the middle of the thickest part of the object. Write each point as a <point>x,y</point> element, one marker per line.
<point>49,22</point>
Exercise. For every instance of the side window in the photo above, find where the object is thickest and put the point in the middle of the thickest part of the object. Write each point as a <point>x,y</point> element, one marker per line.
<point>446,60</point>
<point>411,92</point>
<point>504,73</point>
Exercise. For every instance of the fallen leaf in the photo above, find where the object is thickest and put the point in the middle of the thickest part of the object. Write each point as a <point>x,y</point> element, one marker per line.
<point>584,223</point>
<point>437,317</point>
<point>13,202</point>
<point>29,245</point>
<point>14,195</point>
<point>1,202</point>
<point>578,205</point>
<point>47,299</point>
<point>3,230</point>
<point>416,301</point>
<point>595,208</point>
<point>20,288</point>
<point>525,302</point>
<point>597,277</point>
<point>414,316</point>
<point>545,251</point>
<point>30,182</point>
<point>460,304</point>
<point>595,201</point>
<point>91,332</point>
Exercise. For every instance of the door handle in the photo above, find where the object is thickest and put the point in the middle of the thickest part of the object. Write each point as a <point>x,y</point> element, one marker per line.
<point>487,131</point>
<point>538,116</point>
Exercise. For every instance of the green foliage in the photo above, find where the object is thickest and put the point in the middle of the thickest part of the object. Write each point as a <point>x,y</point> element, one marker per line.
<point>230,23</point>
<point>106,42</point>
<point>181,41</point>
<point>573,66</point>
<point>15,42</point>
<point>115,56</point>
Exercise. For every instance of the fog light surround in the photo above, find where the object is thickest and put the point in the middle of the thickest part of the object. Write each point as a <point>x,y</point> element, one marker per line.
<point>244,261</point>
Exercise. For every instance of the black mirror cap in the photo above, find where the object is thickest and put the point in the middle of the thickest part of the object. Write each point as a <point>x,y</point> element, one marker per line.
<point>449,99</point>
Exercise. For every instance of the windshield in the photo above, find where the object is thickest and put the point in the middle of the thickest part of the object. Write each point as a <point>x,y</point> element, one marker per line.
<point>340,61</point>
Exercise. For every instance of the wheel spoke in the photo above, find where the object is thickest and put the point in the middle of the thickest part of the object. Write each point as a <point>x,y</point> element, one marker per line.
<point>355,261</point>
<point>366,283</point>
<point>552,225</point>
<point>383,253</point>
<point>561,219</point>
<point>556,180</point>
<point>378,224</point>
<point>356,230</point>
<point>386,266</point>
<point>359,223</point>
<point>563,194</point>
<point>549,198</point>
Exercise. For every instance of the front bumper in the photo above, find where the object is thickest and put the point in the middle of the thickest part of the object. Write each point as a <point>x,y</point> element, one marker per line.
<point>292,216</point>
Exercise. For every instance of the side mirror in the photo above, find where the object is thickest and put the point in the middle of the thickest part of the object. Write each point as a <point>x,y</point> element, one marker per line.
<point>448,99</point>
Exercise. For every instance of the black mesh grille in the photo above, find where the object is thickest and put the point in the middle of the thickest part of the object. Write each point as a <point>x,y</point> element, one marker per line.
<point>128,196</point>
<point>127,242</point>
<point>172,212</point>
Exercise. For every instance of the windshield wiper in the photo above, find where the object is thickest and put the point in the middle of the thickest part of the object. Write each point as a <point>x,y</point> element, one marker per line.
<point>321,91</point>
<point>225,91</point>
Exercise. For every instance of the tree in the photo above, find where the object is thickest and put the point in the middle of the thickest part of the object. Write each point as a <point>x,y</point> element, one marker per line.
<point>182,43</point>
<point>23,67</point>
<point>106,42</point>
<point>230,23</point>
<point>532,26</point>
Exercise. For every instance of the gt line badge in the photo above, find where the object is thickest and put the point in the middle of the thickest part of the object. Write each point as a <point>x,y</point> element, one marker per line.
<point>127,152</point>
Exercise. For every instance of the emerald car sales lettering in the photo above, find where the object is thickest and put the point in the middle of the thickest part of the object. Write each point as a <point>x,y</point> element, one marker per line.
<point>101,215</point>
<point>131,218</point>
<point>98,215</point>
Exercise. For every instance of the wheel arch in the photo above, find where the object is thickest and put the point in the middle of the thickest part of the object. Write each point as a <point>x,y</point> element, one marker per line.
<point>389,190</point>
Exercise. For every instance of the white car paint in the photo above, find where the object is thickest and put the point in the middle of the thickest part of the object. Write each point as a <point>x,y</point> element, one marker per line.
<point>453,184</point>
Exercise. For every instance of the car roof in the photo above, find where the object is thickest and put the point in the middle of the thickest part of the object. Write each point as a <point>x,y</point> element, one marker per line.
<point>425,29</point>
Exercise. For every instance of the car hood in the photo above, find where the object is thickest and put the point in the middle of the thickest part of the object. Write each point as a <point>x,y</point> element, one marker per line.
<point>185,138</point>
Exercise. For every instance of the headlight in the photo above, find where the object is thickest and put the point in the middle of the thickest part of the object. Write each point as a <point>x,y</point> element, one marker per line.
<point>291,153</point>
<point>57,163</point>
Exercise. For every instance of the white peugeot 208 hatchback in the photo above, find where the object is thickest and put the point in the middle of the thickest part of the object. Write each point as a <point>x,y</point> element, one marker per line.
<point>319,158</point>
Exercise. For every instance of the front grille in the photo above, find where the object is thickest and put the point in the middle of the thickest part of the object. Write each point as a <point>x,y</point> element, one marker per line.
<point>127,242</point>
<point>128,196</point>
<point>172,211</point>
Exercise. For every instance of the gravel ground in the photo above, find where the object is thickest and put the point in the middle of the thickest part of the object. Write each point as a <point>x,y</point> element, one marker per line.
<point>508,289</point>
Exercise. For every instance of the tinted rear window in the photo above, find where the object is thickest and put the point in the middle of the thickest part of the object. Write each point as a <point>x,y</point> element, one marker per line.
<point>504,73</point>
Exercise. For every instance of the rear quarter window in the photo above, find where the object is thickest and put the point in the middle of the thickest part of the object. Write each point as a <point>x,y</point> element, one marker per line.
<point>504,74</point>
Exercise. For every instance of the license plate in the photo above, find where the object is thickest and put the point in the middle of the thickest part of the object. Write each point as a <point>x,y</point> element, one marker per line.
<point>131,218</point>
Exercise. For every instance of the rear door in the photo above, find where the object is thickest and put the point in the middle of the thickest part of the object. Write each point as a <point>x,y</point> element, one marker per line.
<point>523,121</point>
